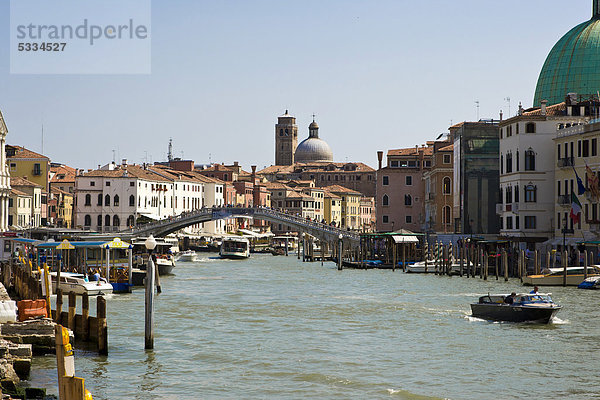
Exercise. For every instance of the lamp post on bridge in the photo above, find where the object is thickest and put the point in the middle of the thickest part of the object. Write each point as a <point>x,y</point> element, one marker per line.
<point>150,244</point>
<point>340,250</point>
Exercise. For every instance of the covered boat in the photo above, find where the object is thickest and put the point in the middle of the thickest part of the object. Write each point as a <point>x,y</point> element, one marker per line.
<point>592,282</point>
<point>524,308</point>
<point>235,247</point>
<point>555,276</point>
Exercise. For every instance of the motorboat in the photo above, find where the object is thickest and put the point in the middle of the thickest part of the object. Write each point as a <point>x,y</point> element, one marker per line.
<point>163,254</point>
<point>555,276</point>
<point>235,248</point>
<point>187,256</point>
<point>593,282</point>
<point>525,308</point>
<point>76,283</point>
<point>419,267</point>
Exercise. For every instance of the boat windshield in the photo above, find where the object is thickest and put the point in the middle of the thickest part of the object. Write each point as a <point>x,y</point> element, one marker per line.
<point>535,298</point>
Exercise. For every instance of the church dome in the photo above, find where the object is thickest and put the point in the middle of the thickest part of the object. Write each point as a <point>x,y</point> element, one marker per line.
<point>573,65</point>
<point>313,148</point>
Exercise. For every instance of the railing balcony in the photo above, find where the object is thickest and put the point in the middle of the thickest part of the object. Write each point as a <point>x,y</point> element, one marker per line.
<point>564,199</point>
<point>566,162</point>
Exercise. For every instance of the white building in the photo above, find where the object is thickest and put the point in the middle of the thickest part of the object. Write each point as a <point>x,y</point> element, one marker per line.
<point>4,178</point>
<point>527,168</point>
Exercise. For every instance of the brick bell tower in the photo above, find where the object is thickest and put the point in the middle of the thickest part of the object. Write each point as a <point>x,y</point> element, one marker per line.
<point>286,139</point>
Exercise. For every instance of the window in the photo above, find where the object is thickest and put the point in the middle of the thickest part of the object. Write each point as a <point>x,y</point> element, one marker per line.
<point>558,152</point>
<point>530,127</point>
<point>586,148</point>
<point>427,164</point>
<point>408,219</point>
<point>385,219</point>
<point>530,160</point>
<point>531,193</point>
<point>116,200</point>
<point>386,180</point>
<point>446,215</point>
<point>516,194</point>
<point>517,160</point>
<point>509,163</point>
<point>10,202</point>
<point>517,222</point>
<point>501,163</point>
<point>116,221</point>
<point>509,222</point>
<point>132,201</point>
<point>386,200</point>
<point>107,200</point>
<point>446,186</point>
<point>509,195</point>
<point>88,199</point>
<point>530,222</point>
<point>99,221</point>
<point>408,180</point>
<point>407,200</point>
<point>447,159</point>
<point>99,200</point>
<point>131,221</point>
<point>501,198</point>
<point>394,164</point>
<point>132,184</point>
<point>107,220</point>
<point>87,221</point>
<point>579,148</point>
<point>13,167</point>
<point>107,183</point>
<point>37,169</point>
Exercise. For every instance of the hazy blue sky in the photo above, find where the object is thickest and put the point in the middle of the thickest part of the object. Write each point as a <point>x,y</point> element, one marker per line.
<point>378,74</point>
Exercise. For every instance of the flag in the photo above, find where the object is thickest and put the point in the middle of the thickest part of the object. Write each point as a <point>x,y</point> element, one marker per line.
<point>575,208</point>
<point>580,185</point>
<point>592,180</point>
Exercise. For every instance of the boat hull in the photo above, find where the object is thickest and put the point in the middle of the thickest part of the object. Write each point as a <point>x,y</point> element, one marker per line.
<point>121,287</point>
<point>235,256</point>
<point>509,313</point>
<point>554,280</point>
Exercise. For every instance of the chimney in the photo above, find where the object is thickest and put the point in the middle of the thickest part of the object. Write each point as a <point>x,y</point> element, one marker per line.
<point>380,158</point>
<point>501,115</point>
<point>520,109</point>
<point>544,106</point>
<point>76,171</point>
<point>124,163</point>
<point>235,163</point>
<point>216,167</point>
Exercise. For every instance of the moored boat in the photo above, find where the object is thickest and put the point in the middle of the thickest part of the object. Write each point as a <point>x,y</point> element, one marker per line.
<point>555,276</point>
<point>592,282</point>
<point>524,308</point>
<point>76,283</point>
<point>235,248</point>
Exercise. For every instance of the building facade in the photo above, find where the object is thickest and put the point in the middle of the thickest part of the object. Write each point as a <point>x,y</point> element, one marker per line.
<point>286,139</point>
<point>439,201</point>
<point>5,192</point>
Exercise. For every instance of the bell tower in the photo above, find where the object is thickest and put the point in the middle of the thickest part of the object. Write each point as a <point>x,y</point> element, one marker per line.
<point>286,139</point>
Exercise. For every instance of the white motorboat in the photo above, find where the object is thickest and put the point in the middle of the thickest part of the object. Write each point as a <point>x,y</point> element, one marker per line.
<point>235,247</point>
<point>555,276</point>
<point>187,256</point>
<point>419,267</point>
<point>76,283</point>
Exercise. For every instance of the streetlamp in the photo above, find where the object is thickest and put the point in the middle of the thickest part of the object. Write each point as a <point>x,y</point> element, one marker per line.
<point>150,244</point>
<point>340,250</point>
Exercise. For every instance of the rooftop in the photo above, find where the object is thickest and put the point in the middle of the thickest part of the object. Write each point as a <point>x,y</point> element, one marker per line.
<point>20,152</point>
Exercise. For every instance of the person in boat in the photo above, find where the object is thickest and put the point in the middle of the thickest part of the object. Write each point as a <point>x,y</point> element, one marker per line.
<point>510,299</point>
<point>534,291</point>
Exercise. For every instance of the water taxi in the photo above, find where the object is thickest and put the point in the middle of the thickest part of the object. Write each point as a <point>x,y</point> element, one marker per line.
<point>555,276</point>
<point>76,283</point>
<point>187,256</point>
<point>235,248</point>
<point>524,308</point>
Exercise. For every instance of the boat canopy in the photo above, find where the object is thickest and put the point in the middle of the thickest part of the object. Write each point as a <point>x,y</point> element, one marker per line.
<point>114,244</point>
<point>405,239</point>
<point>256,234</point>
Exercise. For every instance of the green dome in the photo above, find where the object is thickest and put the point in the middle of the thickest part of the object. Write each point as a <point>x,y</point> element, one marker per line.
<point>573,65</point>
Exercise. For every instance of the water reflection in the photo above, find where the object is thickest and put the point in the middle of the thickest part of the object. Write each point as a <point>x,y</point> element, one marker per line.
<point>151,380</point>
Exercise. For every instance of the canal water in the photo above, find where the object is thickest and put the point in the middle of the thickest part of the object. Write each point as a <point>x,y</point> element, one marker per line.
<point>276,328</point>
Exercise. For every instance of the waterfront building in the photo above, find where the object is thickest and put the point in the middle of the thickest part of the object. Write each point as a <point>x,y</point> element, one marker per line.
<point>60,208</point>
<point>573,65</point>
<point>62,177</point>
<point>5,192</point>
<point>400,190</point>
<point>527,169</point>
<point>367,214</point>
<point>32,166</point>
<point>476,177</point>
<point>350,206</point>
<point>577,154</point>
<point>332,208</point>
<point>19,210</point>
<point>286,139</point>
<point>34,191</point>
<point>439,201</point>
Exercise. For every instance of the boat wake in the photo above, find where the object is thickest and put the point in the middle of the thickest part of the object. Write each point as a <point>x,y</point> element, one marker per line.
<point>558,321</point>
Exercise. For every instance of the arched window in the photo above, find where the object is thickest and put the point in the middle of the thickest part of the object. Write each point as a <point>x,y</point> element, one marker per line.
<point>107,200</point>
<point>446,186</point>
<point>530,160</point>
<point>386,200</point>
<point>100,199</point>
<point>501,163</point>
<point>407,200</point>
<point>446,215</point>
<point>530,194</point>
<point>88,220</point>
<point>88,199</point>
<point>99,221</point>
<point>530,127</point>
<point>130,221</point>
<point>509,195</point>
<point>517,160</point>
<point>107,220</point>
<point>132,201</point>
<point>516,194</point>
<point>116,200</point>
<point>509,163</point>
<point>116,221</point>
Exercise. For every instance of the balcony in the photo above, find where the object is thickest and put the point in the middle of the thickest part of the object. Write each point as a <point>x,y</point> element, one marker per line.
<point>566,162</point>
<point>564,199</point>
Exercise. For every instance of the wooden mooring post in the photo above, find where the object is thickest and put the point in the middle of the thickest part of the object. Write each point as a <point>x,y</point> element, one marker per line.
<point>505,264</point>
<point>565,263</point>
<point>102,326</point>
<point>585,264</point>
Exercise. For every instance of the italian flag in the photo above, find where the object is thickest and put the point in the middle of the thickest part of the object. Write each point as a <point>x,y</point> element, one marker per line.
<point>575,208</point>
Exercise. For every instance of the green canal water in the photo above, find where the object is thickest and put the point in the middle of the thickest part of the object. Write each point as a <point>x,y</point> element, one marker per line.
<point>276,328</point>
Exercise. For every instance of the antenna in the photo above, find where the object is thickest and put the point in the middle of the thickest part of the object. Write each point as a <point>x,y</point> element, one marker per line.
<point>170,153</point>
<point>209,158</point>
<point>42,137</point>
<point>507,99</point>
<point>114,152</point>
<point>477,105</point>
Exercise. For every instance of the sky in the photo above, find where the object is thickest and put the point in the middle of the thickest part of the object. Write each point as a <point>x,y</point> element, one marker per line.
<point>378,75</point>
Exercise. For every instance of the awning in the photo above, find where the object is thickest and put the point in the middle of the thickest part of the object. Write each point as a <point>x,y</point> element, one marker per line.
<point>256,234</point>
<point>405,239</point>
